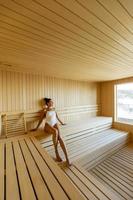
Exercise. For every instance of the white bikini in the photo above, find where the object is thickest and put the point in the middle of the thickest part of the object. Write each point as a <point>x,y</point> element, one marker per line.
<point>51,118</point>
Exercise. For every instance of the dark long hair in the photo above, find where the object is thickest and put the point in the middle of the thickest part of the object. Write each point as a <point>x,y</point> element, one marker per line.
<point>47,100</point>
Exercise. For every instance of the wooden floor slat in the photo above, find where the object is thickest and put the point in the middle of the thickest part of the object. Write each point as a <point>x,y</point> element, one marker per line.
<point>79,184</point>
<point>118,168</point>
<point>11,176</point>
<point>109,184</point>
<point>88,185</point>
<point>91,186</point>
<point>108,193</point>
<point>37,180</point>
<point>116,179</point>
<point>116,173</point>
<point>26,188</point>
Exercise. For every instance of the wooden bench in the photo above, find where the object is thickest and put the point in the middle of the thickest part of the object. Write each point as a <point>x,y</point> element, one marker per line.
<point>79,129</point>
<point>89,140</point>
<point>27,172</point>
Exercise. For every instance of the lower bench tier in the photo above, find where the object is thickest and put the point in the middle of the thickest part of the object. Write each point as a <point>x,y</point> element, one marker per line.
<point>93,147</point>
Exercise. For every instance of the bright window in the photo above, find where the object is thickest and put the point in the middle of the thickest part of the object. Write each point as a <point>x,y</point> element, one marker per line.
<point>124,103</point>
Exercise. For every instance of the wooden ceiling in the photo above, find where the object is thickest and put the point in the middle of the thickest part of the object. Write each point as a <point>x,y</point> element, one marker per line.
<point>77,39</point>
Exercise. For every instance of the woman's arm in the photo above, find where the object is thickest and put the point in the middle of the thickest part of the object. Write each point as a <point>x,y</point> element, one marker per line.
<point>59,119</point>
<point>43,115</point>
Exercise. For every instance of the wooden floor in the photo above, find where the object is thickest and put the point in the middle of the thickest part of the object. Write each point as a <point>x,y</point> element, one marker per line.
<point>116,173</point>
<point>27,172</point>
<point>88,185</point>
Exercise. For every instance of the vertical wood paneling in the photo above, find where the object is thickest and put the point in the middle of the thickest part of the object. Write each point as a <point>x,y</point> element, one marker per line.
<point>4,86</point>
<point>24,91</point>
<point>0,90</point>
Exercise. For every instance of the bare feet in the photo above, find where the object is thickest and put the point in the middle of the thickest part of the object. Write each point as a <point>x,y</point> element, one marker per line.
<point>68,164</point>
<point>59,159</point>
<point>64,164</point>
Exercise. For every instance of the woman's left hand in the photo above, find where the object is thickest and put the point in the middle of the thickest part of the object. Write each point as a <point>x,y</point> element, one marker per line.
<point>63,124</point>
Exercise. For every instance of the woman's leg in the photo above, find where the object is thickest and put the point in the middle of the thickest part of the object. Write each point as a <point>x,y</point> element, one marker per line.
<point>62,143</point>
<point>55,137</point>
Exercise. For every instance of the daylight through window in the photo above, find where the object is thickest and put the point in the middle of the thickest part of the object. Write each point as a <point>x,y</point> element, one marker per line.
<point>124,103</point>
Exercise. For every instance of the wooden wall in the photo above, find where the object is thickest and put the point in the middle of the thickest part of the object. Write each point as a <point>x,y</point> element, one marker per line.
<point>108,102</point>
<point>24,91</point>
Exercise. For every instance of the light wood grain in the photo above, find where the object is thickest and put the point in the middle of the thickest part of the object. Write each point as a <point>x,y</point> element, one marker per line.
<point>11,176</point>
<point>27,172</point>
<point>90,187</point>
<point>116,172</point>
<point>88,141</point>
<point>84,40</point>
<point>23,92</point>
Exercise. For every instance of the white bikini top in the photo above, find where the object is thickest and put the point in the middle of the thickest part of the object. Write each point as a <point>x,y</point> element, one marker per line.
<point>51,118</point>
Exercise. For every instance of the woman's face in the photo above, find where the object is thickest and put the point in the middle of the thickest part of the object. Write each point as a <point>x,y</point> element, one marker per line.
<point>50,103</point>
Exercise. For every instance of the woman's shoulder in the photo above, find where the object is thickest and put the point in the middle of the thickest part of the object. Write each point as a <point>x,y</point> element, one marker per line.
<point>44,110</point>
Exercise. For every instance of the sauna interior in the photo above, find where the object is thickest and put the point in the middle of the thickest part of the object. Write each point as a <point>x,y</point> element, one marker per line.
<point>79,53</point>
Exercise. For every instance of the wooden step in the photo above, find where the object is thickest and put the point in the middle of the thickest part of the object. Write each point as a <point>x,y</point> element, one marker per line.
<point>93,147</point>
<point>79,129</point>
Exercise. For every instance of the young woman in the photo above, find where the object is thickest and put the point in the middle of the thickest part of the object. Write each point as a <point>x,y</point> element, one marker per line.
<point>52,127</point>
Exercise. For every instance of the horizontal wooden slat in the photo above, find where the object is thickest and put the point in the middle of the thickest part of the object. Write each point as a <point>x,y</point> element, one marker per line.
<point>88,185</point>
<point>116,173</point>
<point>94,38</point>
